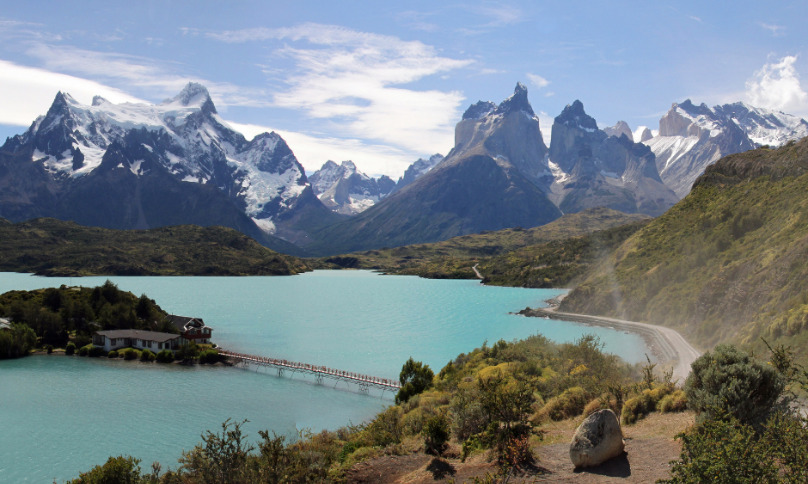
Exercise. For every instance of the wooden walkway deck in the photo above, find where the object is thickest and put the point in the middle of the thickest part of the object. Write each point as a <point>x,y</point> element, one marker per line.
<point>365,382</point>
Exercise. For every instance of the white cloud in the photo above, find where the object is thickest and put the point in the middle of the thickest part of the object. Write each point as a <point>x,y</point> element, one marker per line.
<point>28,92</point>
<point>142,74</point>
<point>777,86</point>
<point>355,80</point>
<point>538,80</point>
<point>776,30</point>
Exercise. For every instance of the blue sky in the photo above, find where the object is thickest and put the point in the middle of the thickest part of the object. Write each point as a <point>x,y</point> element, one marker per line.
<point>384,83</point>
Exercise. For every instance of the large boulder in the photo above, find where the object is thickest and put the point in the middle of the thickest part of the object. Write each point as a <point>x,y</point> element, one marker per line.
<point>597,439</point>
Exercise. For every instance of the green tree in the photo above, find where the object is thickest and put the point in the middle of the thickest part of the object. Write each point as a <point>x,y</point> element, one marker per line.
<point>17,341</point>
<point>415,377</point>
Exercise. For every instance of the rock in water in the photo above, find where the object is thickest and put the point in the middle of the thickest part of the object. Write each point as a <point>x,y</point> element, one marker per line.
<point>597,439</point>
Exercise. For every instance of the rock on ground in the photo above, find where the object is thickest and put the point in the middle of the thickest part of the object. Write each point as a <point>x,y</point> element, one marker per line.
<point>597,439</point>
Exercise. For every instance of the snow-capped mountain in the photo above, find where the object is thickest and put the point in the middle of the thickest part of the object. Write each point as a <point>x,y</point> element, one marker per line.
<point>693,137</point>
<point>182,138</point>
<point>417,170</point>
<point>593,168</point>
<point>346,190</point>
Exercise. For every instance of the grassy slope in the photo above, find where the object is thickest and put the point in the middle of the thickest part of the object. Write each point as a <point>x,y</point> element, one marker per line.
<point>454,258</point>
<point>53,247</point>
<point>727,263</point>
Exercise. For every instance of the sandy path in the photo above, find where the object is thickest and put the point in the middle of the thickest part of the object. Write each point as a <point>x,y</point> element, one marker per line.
<point>668,346</point>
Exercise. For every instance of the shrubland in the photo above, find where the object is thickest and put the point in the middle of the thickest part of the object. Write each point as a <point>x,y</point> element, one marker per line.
<point>492,401</point>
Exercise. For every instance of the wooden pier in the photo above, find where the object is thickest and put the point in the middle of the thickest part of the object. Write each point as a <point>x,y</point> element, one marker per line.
<point>320,373</point>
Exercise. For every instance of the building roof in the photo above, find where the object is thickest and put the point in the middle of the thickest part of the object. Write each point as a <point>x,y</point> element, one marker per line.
<point>139,334</point>
<point>184,322</point>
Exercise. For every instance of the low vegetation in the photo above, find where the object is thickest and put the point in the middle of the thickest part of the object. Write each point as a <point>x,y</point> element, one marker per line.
<point>55,248</point>
<point>502,253</point>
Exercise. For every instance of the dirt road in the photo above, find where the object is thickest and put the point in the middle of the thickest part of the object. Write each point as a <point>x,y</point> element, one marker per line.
<point>668,346</point>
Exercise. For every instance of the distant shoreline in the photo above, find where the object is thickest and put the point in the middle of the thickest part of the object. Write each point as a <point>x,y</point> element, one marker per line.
<point>667,345</point>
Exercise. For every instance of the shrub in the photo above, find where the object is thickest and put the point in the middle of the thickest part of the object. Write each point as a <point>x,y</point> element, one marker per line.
<point>603,402</point>
<point>436,434</point>
<point>729,381</point>
<point>85,350</point>
<point>724,450</point>
<point>209,356</point>
<point>112,354</point>
<point>673,402</point>
<point>96,351</point>
<point>644,403</point>
<point>637,408</point>
<point>70,348</point>
<point>165,356</point>
<point>49,349</point>
<point>570,403</point>
<point>147,355</point>
<point>130,354</point>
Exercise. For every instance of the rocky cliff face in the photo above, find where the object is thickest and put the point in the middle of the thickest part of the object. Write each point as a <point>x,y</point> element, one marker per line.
<point>593,168</point>
<point>495,177</point>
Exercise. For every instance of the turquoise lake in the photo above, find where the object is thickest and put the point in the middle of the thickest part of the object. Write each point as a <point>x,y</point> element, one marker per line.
<point>62,415</point>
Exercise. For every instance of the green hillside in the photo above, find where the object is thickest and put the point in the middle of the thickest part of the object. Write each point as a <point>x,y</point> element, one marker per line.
<point>56,248</point>
<point>727,263</point>
<point>454,258</point>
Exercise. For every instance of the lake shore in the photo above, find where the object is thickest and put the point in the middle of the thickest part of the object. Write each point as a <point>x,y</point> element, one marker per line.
<point>668,347</point>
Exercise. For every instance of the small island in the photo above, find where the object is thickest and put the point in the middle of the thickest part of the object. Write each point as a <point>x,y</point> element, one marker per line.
<point>99,321</point>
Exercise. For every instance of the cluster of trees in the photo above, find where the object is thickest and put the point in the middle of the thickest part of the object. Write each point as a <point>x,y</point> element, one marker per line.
<point>57,315</point>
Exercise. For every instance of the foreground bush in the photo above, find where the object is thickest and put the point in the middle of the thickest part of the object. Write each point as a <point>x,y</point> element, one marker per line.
<point>729,381</point>
<point>70,348</point>
<point>130,354</point>
<point>146,355</point>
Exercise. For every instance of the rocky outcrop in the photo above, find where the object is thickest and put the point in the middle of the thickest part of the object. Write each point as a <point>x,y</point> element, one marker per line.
<point>598,439</point>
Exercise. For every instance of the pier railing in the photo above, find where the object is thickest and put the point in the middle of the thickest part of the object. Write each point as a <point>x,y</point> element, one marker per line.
<point>365,382</point>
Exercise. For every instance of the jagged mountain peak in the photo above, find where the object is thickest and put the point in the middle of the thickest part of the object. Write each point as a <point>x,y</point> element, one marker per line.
<point>692,109</point>
<point>574,115</point>
<point>620,129</point>
<point>479,110</point>
<point>98,101</point>
<point>194,95</point>
<point>517,102</point>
